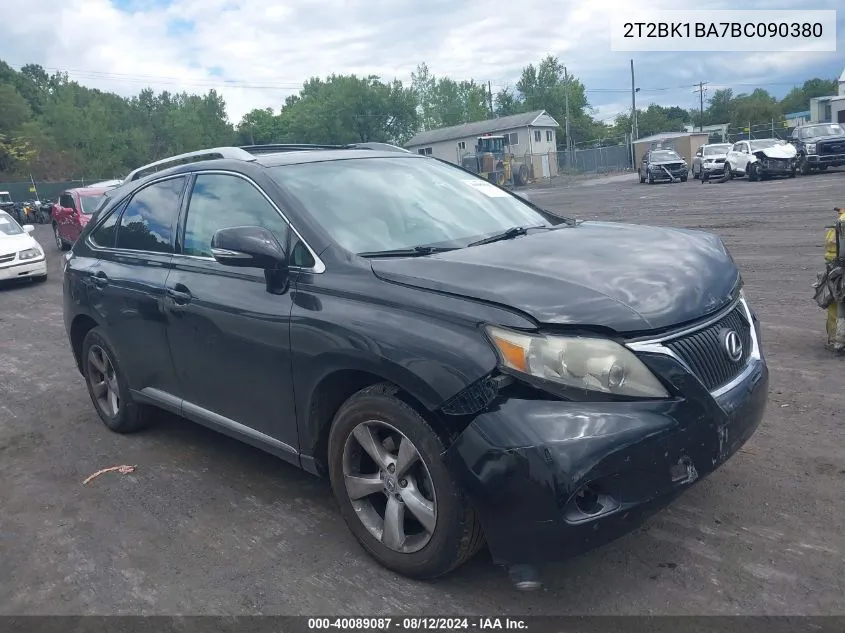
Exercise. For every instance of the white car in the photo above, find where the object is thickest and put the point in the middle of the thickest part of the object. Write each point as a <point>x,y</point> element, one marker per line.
<point>761,158</point>
<point>21,257</point>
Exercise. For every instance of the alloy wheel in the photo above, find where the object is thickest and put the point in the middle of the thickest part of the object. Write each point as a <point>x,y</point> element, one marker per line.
<point>103,381</point>
<point>57,236</point>
<point>389,486</point>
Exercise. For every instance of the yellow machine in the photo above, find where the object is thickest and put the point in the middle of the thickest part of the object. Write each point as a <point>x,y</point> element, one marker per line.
<point>830,287</point>
<point>494,161</point>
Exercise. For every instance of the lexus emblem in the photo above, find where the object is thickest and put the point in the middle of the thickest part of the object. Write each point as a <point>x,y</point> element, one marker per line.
<point>733,345</point>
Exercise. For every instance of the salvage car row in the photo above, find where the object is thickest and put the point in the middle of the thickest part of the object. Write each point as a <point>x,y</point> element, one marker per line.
<point>813,147</point>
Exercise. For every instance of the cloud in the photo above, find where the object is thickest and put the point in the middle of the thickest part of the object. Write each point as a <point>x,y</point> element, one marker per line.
<point>255,53</point>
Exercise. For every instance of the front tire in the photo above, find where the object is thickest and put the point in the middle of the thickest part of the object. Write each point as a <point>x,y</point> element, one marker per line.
<point>108,387</point>
<point>395,493</point>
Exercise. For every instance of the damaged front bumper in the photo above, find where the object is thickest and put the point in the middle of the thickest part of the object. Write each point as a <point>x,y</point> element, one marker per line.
<point>552,479</point>
<point>776,166</point>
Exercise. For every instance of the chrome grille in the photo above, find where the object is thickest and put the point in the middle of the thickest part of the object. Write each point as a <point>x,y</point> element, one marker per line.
<point>704,350</point>
<point>6,258</point>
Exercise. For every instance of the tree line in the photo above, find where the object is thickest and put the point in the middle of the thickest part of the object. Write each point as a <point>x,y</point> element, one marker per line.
<point>54,128</point>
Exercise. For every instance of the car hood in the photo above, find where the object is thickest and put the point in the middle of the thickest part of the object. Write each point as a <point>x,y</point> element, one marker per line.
<point>673,161</point>
<point>14,243</point>
<point>628,278</point>
<point>714,156</point>
<point>778,151</point>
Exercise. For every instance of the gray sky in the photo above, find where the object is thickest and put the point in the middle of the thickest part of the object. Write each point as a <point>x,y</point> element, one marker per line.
<point>255,52</point>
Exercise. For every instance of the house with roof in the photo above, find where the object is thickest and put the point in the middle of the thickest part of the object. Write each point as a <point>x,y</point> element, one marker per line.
<point>532,137</point>
<point>829,109</point>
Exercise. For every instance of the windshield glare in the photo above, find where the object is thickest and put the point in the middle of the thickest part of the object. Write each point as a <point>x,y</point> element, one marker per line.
<point>89,203</point>
<point>664,155</point>
<point>378,204</point>
<point>8,226</point>
<point>712,150</point>
<point>824,130</point>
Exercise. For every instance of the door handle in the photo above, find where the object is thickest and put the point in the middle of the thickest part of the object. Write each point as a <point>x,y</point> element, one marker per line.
<point>179,295</point>
<point>100,279</point>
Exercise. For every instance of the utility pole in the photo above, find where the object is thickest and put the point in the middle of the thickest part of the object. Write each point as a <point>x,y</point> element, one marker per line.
<point>490,96</point>
<point>634,131</point>
<point>566,98</point>
<point>700,92</point>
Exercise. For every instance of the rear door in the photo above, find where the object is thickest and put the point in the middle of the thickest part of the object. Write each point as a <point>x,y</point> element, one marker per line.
<point>134,252</point>
<point>229,337</point>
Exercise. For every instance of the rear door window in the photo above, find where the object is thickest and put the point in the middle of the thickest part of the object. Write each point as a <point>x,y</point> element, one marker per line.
<point>147,223</point>
<point>66,201</point>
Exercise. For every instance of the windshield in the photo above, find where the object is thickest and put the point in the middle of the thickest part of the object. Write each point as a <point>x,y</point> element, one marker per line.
<point>378,204</point>
<point>832,129</point>
<point>713,150</point>
<point>89,203</point>
<point>8,226</point>
<point>664,155</point>
<point>765,143</point>
<point>5,197</point>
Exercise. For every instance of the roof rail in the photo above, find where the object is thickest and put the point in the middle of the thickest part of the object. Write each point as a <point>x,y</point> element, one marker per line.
<point>272,148</point>
<point>386,147</point>
<point>190,157</point>
<point>247,153</point>
<point>298,147</point>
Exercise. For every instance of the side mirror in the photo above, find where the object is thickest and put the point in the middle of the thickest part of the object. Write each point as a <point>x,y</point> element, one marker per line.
<point>28,228</point>
<point>248,247</point>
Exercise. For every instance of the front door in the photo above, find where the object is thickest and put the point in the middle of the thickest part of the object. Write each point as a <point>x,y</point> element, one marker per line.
<point>229,337</point>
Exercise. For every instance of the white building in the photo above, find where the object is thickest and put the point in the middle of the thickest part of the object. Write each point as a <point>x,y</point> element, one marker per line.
<point>532,137</point>
<point>829,109</point>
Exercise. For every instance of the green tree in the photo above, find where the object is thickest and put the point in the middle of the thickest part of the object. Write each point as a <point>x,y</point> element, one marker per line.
<point>798,99</point>
<point>757,108</point>
<point>14,110</point>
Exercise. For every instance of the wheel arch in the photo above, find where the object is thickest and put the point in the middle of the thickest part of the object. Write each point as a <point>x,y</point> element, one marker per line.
<point>335,387</point>
<point>79,328</point>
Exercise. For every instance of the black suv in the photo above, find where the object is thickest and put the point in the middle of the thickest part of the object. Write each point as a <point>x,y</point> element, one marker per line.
<point>464,366</point>
<point>819,145</point>
<point>663,164</point>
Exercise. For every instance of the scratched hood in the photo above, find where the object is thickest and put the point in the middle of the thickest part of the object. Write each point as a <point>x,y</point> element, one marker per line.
<point>629,278</point>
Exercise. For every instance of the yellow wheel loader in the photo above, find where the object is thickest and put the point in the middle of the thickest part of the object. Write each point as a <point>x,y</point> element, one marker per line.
<point>494,160</point>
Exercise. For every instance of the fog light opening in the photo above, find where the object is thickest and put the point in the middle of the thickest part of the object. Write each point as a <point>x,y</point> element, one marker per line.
<point>587,500</point>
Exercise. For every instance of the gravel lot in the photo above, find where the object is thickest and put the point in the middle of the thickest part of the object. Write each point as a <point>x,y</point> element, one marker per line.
<point>209,526</point>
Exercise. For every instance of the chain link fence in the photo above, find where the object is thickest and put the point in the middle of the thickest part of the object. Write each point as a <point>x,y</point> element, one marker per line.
<point>598,159</point>
<point>20,190</point>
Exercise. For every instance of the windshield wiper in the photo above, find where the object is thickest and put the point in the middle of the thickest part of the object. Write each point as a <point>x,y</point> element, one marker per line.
<point>416,251</point>
<point>514,231</point>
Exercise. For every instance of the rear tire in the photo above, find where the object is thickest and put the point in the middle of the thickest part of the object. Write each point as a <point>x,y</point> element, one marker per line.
<point>60,243</point>
<point>108,388</point>
<point>373,421</point>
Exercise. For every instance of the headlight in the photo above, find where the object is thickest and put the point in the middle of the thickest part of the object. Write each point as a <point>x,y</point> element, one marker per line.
<point>584,363</point>
<point>30,253</point>
<point>811,148</point>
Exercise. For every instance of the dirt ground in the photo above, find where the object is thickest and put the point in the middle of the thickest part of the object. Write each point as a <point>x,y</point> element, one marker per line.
<point>209,526</point>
